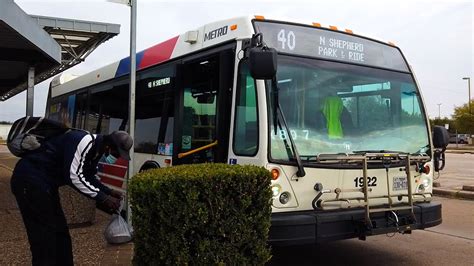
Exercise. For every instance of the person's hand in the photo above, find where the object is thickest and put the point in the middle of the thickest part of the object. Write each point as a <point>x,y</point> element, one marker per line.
<point>109,204</point>
<point>116,194</point>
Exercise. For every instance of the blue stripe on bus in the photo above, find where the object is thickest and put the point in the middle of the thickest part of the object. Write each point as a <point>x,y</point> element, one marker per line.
<point>124,65</point>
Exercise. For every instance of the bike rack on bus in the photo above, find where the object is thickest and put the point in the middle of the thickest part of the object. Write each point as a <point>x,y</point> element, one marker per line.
<point>387,159</point>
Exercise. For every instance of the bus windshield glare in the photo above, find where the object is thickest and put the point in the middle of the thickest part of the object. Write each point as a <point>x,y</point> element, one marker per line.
<point>335,108</point>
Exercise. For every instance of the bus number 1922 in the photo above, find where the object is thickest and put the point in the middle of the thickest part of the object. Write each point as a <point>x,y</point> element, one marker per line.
<point>371,181</point>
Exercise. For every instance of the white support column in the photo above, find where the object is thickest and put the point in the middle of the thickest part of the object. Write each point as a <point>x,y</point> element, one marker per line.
<point>131,120</point>
<point>30,91</point>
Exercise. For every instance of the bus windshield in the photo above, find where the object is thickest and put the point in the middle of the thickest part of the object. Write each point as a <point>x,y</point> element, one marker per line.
<point>333,108</point>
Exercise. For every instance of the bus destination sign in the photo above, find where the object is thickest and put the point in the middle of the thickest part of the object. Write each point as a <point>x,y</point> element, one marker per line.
<point>321,43</point>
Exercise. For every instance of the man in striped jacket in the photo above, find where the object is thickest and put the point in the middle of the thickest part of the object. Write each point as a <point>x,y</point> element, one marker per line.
<point>69,159</point>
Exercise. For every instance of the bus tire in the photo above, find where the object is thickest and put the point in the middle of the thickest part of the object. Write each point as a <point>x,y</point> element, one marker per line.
<point>149,165</point>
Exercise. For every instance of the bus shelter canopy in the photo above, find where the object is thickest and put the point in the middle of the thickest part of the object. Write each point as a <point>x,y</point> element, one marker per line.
<point>49,45</point>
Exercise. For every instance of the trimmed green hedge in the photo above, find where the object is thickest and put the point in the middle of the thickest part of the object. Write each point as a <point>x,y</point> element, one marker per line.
<point>201,214</point>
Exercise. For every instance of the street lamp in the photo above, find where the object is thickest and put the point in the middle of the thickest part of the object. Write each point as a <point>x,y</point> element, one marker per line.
<point>469,91</point>
<point>439,111</point>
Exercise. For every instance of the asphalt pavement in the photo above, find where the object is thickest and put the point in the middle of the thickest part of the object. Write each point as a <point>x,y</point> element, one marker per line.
<point>457,177</point>
<point>450,243</point>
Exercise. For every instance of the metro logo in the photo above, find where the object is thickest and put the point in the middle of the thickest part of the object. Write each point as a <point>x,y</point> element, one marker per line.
<point>216,33</point>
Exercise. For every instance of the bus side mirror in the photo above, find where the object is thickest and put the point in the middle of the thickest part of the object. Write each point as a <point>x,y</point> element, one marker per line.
<point>440,137</point>
<point>440,142</point>
<point>262,62</point>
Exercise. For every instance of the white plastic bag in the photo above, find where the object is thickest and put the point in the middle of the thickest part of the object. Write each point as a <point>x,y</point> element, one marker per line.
<point>118,231</point>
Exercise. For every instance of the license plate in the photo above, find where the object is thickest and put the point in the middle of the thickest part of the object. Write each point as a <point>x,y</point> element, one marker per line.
<point>400,183</point>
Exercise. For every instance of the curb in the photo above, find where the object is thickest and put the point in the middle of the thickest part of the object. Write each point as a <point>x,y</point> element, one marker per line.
<point>460,151</point>
<point>468,188</point>
<point>453,193</point>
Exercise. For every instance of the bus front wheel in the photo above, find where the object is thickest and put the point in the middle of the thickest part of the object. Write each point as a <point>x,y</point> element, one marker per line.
<point>149,165</point>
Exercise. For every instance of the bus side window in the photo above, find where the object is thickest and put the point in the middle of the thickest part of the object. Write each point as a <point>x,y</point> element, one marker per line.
<point>246,118</point>
<point>108,108</point>
<point>80,110</point>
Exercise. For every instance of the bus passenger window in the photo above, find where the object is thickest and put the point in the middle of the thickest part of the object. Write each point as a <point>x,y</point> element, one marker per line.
<point>108,109</point>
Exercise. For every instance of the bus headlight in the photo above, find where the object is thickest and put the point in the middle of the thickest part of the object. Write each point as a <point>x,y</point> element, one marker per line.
<point>425,182</point>
<point>285,197</point>
<point>276,190</point>
<point>421,188</point>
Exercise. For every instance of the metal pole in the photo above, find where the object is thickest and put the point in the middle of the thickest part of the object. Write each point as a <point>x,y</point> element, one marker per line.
<point>457,139</point>
<point>469,93</point>
<point>30,91</point>
<point>133,70</point>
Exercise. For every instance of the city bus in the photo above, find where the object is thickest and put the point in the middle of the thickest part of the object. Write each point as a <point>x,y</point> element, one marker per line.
<point>337,118</point>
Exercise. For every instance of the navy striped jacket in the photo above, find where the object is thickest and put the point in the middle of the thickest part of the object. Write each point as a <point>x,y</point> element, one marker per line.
<point>69,159</point>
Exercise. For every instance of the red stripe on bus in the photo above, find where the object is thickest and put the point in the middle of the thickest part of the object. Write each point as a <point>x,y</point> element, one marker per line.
<point>158,53</point>
<point>119,169</point>
<point>110,181</point>
<point>112,170</point>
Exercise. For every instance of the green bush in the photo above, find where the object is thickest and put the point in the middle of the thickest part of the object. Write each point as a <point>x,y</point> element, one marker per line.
<point>201,214</point>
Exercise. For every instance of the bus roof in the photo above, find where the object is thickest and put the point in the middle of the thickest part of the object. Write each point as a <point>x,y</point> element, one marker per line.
<point>201,38</point>
<point>191,41</point>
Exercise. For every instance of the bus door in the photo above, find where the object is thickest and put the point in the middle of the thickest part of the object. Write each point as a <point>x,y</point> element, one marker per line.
<point>204,105</point>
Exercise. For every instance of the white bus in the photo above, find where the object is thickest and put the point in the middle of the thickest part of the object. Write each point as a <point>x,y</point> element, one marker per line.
<point>341,125</point>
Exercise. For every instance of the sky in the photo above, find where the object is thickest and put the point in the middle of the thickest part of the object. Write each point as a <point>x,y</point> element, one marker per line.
<point>435,36</point>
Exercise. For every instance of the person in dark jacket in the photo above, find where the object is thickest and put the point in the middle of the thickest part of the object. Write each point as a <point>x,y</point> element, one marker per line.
<point>69,159</point>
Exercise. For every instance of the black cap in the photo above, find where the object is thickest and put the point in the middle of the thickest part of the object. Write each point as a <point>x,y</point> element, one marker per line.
<point>123,142</point>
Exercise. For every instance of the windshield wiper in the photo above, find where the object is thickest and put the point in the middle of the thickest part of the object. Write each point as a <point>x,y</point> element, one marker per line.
<point>309,157</point>
<point>378,151</point>
<point>278,111</point>
<point>323,156</point>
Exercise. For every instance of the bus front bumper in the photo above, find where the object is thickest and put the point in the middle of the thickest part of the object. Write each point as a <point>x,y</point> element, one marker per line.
<point>310,227</point>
